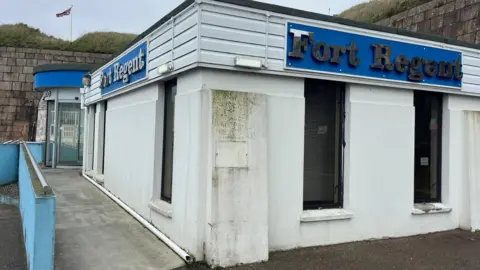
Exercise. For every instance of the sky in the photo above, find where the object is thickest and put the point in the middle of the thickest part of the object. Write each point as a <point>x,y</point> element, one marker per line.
<point>120,15</point>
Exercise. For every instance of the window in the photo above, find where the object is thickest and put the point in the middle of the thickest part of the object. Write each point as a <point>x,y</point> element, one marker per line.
<point>428,146</point>
<point>168,136</point>
<point>93,109</point>
<point>323,154</point>
<point>104,134</point>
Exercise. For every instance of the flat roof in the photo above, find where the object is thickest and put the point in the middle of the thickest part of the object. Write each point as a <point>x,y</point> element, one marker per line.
<point>308,15</point>
<point>63,67</point>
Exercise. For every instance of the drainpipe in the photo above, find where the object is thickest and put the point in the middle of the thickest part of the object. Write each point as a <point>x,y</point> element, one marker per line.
<point>178,250</point>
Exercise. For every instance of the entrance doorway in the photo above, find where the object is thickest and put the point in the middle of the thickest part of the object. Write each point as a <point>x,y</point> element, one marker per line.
<point>70,135</point>
<point>65,136</point>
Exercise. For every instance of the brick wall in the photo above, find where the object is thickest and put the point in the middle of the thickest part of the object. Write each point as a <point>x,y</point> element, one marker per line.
<point>450,18</point>
<point>18,101</point>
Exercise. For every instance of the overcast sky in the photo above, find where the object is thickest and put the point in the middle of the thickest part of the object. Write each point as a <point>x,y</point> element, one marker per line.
<point>119,15</point>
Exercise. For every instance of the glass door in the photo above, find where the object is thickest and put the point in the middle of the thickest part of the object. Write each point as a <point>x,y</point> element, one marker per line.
<point>70,136</point>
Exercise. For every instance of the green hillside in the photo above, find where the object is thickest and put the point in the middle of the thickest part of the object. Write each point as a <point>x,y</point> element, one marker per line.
<point>21,35</point>
<point>377,10</point>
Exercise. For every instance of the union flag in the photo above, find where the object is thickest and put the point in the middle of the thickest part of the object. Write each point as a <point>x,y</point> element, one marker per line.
<point>65,13</point>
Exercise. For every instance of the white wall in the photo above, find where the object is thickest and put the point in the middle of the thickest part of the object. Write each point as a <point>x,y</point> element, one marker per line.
<point>379,173</point>
<point>472,184</point>
<point>238,206</point>
<point>134,152</point>
<point>187,222</point>
<point>463,153</point>
<point>65,94</point>
<point>284,107</point>
<point>129,148</point>
<point>379,168</point>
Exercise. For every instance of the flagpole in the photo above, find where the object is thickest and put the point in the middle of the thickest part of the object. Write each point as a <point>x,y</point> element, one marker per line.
<point>71,22</point>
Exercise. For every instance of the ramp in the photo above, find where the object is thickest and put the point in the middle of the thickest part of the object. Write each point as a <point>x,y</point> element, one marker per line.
<point>93,232</point>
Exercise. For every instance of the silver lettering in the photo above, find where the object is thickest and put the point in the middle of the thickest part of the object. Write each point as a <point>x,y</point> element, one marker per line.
<point>116,72</point>
<point>141,62</point>
<point>126,76</point>
<point>130,66</point>
<point>135,64</point>
<point>300,44</point>
<point>109,74</point>
<point>122,72</point>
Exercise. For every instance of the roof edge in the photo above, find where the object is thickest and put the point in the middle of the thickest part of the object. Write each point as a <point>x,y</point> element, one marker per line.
<point>61,67</point>
<point>357,24</point>
<point>303,14</point>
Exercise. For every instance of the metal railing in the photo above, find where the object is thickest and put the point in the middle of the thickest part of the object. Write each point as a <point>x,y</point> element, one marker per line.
<point>45,188</point>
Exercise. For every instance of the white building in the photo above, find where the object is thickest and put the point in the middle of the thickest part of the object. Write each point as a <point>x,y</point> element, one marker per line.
<point>238,128</point>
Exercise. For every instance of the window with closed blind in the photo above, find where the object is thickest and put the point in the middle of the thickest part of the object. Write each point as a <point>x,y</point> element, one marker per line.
<point>323,153</point>
<point>168,137</point>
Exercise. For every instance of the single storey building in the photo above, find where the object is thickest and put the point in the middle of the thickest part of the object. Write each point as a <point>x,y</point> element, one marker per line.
<point>237,128</point>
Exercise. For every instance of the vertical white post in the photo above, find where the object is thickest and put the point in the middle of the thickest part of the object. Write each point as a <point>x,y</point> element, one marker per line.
<point>85,138</point>
<point>90,137</point>
<point>99,138</point>
<point>55,132</point>
<point>237,206</point>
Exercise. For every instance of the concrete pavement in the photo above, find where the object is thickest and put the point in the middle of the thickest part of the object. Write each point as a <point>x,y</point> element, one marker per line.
<point>459,250</point>
<point>12,249</point>
<point>93,232</point>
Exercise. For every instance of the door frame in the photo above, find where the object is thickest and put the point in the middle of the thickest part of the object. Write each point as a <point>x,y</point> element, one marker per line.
<point>58,135</point>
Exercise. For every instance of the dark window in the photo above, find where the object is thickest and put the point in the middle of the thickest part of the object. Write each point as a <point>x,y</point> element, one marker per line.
<point>104,135</point>
<point>323,154</point>
<point>170,92</point>
<point>94,108</point>
<point>428,146</point>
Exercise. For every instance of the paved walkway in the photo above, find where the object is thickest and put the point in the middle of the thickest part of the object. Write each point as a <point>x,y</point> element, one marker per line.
<point>459,250</point>
<point>93,232</point>
<point>12,250</point>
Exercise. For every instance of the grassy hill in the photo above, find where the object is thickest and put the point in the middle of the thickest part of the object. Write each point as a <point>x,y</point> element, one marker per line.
<point>21,35</point>
<point>377,10</point>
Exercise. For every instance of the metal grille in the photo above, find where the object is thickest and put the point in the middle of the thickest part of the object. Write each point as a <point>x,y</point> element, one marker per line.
<point>69,127</point>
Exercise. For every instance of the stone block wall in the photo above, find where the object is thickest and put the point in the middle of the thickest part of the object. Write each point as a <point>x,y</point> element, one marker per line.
<point>19,103</point>
<point>449,18</point>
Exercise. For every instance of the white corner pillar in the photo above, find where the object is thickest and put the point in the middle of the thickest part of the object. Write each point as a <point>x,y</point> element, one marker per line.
<point>472,149</point>
<point>237,196</point>
<point>99,138</point>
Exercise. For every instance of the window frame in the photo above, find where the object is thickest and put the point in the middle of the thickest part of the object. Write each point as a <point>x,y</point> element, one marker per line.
<point>438,187</point>
<point>340,89</point>
<point>105,104</point>
<point>168,86</point>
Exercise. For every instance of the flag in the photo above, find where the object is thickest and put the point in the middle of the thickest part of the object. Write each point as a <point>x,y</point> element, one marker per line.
<point>65,13</point>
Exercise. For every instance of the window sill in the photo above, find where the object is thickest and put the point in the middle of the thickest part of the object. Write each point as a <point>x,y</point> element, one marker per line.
<point>161,207</point>
<point>325,215</point>
<point>430,208</point>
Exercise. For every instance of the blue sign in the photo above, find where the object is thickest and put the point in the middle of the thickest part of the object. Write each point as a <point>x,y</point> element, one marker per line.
<point>325,50</point>
<point>131,68</point>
